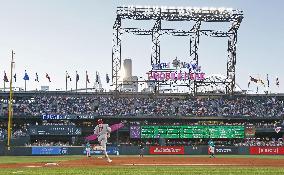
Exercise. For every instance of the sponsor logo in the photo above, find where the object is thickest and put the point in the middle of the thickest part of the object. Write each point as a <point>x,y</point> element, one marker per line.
<point>166,150</point>
<point>224,150</point>
<point>266,150</point>
<point>53,150</point>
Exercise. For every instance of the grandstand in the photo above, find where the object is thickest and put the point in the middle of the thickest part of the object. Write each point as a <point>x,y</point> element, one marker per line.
<point>48,119</point>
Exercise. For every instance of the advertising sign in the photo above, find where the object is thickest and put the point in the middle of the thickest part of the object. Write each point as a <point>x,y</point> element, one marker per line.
<point>66,117</point>
<point>52,150</point>
<point>250,131</point>
<point>198,131</point>
<point>267,150</point>
<point>166,150</point>
<point>226,150</point>
<point>110,150</point>
<point>135,132</point>
<point>177,70</point>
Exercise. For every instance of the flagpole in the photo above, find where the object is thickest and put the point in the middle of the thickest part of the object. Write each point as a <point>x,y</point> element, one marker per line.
<point>10,114</point>
<point>4,83</point>
<point>25,85</point>
<point>66,81</point>
<point>86,82</point>
<point>76,81</point>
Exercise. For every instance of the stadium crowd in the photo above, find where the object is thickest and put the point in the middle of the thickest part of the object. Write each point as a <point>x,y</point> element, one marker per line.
<point>261,142</point>
<point>16,133</point>
<point>109,106</point>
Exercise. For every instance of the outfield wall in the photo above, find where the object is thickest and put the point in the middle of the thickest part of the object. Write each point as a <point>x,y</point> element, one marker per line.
<point>148,150</point>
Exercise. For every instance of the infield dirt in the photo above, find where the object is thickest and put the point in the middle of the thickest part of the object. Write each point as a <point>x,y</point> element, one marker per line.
<point>157,161</point>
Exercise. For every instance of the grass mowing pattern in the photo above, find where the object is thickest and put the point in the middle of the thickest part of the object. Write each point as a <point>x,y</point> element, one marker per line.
<point>31,159</point>
<point>152,170</point>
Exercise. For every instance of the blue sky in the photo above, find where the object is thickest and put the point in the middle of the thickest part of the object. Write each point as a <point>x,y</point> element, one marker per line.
<point>57,35</point>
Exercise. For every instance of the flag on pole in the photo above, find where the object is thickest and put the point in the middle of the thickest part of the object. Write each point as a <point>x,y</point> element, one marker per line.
<point>36,79</point>
<point>77,77</point>
<point>97,77</point>
<point>68,76</point>
<point>48,77</point>
<point>253,79</point>
<point>5,77</point>
<point>277,81</point>
<point>87,77</point>
<point>26,76</point>
<point>261,82</point>
<point>15,77</point>
<point>107,78</point>
<point>267,79</point>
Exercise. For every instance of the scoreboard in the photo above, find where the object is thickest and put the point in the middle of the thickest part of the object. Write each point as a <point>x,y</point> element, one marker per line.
<point>199,131</point>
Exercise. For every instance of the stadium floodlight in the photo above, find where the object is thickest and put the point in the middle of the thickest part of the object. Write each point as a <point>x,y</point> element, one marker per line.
<point>160,14</point>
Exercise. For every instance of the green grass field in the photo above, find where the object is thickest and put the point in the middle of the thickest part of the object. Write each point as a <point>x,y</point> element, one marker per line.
<point>135,170</point>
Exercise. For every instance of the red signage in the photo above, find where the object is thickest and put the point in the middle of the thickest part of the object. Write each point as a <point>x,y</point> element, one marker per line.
<point>166,150</point>
<point>267,150</point>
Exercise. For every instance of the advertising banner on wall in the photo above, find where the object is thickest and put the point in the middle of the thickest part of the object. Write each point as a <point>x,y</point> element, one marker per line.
<point>226,150</point>
<point>52,150</point>
<point>267,150</point>
<point>166,150</point>
<point>110,151</point>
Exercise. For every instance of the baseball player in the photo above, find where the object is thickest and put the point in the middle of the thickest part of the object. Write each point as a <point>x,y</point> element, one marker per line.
<point>141,154</point>
<point>211,148</point>
<point>103,132</point>
<point>88,149</point>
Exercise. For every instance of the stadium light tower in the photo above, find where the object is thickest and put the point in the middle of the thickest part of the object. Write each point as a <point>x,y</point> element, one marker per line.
<point>196,14</point>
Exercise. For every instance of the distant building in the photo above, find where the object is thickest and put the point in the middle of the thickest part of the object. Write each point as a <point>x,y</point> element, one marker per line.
<point>130,83</point>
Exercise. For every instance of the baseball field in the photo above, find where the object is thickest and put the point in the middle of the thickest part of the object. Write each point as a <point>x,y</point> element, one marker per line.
<point>240,165</point>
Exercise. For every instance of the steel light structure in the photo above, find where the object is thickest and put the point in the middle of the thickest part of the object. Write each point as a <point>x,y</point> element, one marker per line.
<point>196,14</point>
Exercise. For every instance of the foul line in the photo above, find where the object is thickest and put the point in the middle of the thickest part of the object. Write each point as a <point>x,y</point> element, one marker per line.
<point>183,164</point>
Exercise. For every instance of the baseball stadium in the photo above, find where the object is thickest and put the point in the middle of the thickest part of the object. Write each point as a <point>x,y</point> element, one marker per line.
<point>174,112</point>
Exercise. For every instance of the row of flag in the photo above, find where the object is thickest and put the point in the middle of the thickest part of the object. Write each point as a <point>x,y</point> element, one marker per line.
<point>26,77</point>
<point>260,81</point>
